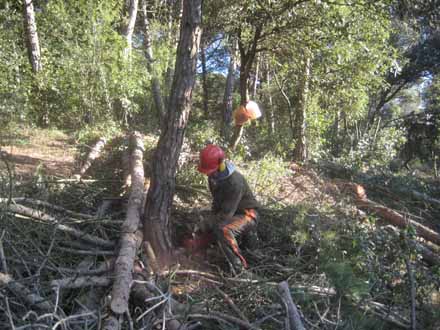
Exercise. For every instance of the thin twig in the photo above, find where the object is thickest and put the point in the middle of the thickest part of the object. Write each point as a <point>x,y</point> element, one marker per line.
<point>2,255</point>
<point>231,304</point>
<point>8,311</point>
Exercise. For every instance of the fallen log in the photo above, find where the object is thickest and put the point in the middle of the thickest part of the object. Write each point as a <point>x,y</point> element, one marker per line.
<point>293,317</point>
<point>44,217</point>
<point>391,215</point>
<point>30,298</point>
<point>94,153</point>
<point>131,238</point>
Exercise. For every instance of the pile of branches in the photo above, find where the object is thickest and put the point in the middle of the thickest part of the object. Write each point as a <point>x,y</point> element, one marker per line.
<point>64,269</point>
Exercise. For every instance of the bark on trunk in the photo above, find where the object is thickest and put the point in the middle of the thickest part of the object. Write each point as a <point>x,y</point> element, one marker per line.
<point>162,185</point>
<point>300,151</point>
<point>175,15</point>
<point>33,44</point>
<point>204,81</point>
<point>227,98</point>
<point>155,82</point>
<point>128,29</point>
<point>130,239</point>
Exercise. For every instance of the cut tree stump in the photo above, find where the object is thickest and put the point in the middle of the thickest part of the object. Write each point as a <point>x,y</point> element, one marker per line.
<point>131,238</point>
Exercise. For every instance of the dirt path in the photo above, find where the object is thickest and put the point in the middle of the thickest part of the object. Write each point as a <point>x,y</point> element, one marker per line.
<point>50,153</point>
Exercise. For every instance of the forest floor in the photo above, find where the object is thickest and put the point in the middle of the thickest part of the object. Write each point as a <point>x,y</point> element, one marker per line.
<point>48,152</point>
<point>313,234</point>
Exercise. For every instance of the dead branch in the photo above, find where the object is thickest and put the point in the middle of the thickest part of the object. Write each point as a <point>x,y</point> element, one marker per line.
<point>231,304</point>
<point>131,238</point>
<point>3,263</point>
<point>44,217</point>
<point>57,208</point>
<point>87,252</point>
<point>19,290</point>
<point>81,282</point>
<point>94,153</point>
<point>386,314</point>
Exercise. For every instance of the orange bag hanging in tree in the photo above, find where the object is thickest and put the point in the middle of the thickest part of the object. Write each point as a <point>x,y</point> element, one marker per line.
<point>243,114</point>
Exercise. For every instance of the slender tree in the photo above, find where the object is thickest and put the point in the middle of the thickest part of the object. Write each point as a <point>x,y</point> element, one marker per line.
<point>162,186</point>
<point>155,81</point>
<point>128,28</point>
<point>300,151</point>
<point>204,79</point>
<point>33,44</point>
<point>229,89</point>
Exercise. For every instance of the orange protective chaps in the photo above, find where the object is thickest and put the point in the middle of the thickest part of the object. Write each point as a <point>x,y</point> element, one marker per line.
<point>229,230</point>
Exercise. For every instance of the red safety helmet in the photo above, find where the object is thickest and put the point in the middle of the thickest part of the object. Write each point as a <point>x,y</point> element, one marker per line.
<point>210,158</point>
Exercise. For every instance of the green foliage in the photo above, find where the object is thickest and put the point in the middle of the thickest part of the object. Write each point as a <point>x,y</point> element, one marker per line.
<point>15,79</point>
<point>265,176</point>
<point>88,133</point>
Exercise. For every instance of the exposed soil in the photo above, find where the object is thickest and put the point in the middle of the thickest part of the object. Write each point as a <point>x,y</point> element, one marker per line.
<point>39,151</point>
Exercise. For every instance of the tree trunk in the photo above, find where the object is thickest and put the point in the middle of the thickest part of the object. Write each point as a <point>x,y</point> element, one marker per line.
<point>300,151</point>
<point>130,239</point>
<point>162,185</point>
<point>33,45</point>
<point>229,89</point>
<point>247,56</point>
<point>175,15</point>
<point>128,29</point>
<point>155,82</point>
<point>204,81</point>
<point>255,81</point>
<point>269,113</point>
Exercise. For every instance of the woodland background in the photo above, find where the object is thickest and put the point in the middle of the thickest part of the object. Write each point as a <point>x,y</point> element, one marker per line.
<point>344,160</point>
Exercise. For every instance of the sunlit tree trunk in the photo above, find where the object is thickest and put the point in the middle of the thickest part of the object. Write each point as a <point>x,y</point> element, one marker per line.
<point>128,28</point>
<point>300,151</point>
<point>229,89</point>
<point>162,185</point>
<point>33,44</point>
<point>155,81</point>
<point>255,81</point>
<point>204,81</point>
<point>270,119</point>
